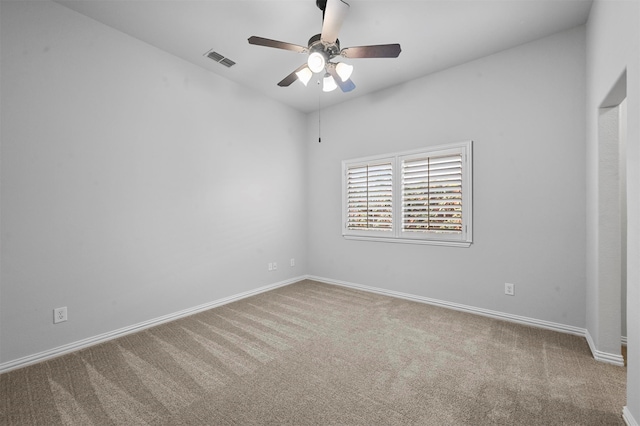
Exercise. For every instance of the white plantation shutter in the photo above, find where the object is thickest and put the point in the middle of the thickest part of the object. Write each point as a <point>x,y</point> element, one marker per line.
<point>369,197</point>
<point>420,197</point>
<point>432,194</point>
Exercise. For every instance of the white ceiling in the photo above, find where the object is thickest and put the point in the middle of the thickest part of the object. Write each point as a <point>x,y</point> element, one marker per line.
<point>434,35</point>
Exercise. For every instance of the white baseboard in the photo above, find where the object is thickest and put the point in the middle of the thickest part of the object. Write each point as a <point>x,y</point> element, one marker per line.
<point>624,340</point>
<point>563,328</point>
<point>628,418</point>
<point>101,338</point>
<point>84,343</point>
<point>615,359</point>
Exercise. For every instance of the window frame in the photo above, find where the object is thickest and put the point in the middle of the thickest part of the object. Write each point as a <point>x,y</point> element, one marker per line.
<point>397,234</point>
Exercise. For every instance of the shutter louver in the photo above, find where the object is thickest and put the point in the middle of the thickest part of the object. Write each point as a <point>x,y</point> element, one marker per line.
<point>369,197</point>
<point>432,194</point>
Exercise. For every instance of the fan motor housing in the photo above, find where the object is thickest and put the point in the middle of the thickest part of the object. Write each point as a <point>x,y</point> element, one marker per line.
<point>316,45</point>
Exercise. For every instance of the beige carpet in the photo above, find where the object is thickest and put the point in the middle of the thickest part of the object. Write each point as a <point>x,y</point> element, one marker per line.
<point>315,354</point>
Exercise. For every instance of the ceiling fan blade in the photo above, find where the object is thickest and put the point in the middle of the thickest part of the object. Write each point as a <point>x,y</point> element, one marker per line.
<point>376,51</point>
<point>345,86</point>
<point>285,82</point>
<point>261,41</point>
<point>334,14</point>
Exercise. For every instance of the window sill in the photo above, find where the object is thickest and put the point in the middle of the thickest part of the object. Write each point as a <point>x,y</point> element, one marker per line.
<point>410,241</point>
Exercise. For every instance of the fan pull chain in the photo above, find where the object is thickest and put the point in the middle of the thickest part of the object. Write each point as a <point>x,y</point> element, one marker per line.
<point>319,93</point>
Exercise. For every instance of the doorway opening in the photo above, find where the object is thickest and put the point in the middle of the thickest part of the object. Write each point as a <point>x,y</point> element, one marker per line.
<point>612,223</point>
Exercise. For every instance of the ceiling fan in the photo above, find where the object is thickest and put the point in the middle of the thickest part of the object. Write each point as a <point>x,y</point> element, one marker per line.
<point>323,47</point>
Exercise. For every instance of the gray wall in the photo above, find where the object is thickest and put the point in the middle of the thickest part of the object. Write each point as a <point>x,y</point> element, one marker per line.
<point>524,110</point>
<point>134,184</point>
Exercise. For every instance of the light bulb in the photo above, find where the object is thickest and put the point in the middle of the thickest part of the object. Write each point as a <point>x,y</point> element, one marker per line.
<point>304,75</point>
<point>328,83</point>
<point>344,70</point>
<point>316,62</point>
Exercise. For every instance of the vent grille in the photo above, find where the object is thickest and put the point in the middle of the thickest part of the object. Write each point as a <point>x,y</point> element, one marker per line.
<point>219,58</point>
<point>227,62</point>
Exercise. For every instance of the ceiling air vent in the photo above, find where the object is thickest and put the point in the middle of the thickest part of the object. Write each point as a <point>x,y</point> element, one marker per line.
<point>219,58</point>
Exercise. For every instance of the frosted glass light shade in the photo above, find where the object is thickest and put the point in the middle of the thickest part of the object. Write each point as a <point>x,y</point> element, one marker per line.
<point>304,75</point>
<point>316,62</point>
<point>344,70</point>
<point>328,83</point>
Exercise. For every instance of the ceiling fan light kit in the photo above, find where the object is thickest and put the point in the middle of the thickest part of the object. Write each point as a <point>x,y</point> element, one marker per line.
<point>325,46</point>
<point>304,75</point>
<point>328,83</point>
<point>317,61</point>
<point>344,70</point>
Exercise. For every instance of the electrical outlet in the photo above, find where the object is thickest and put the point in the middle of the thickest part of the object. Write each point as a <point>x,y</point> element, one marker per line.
<point>275,266</point>
<point>59,315</point>
<point>509,289</point>
<point>293,262</point>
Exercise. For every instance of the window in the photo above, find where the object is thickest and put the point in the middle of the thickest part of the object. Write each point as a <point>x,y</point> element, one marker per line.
<point>421,197</point>
<point>370,196</point>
